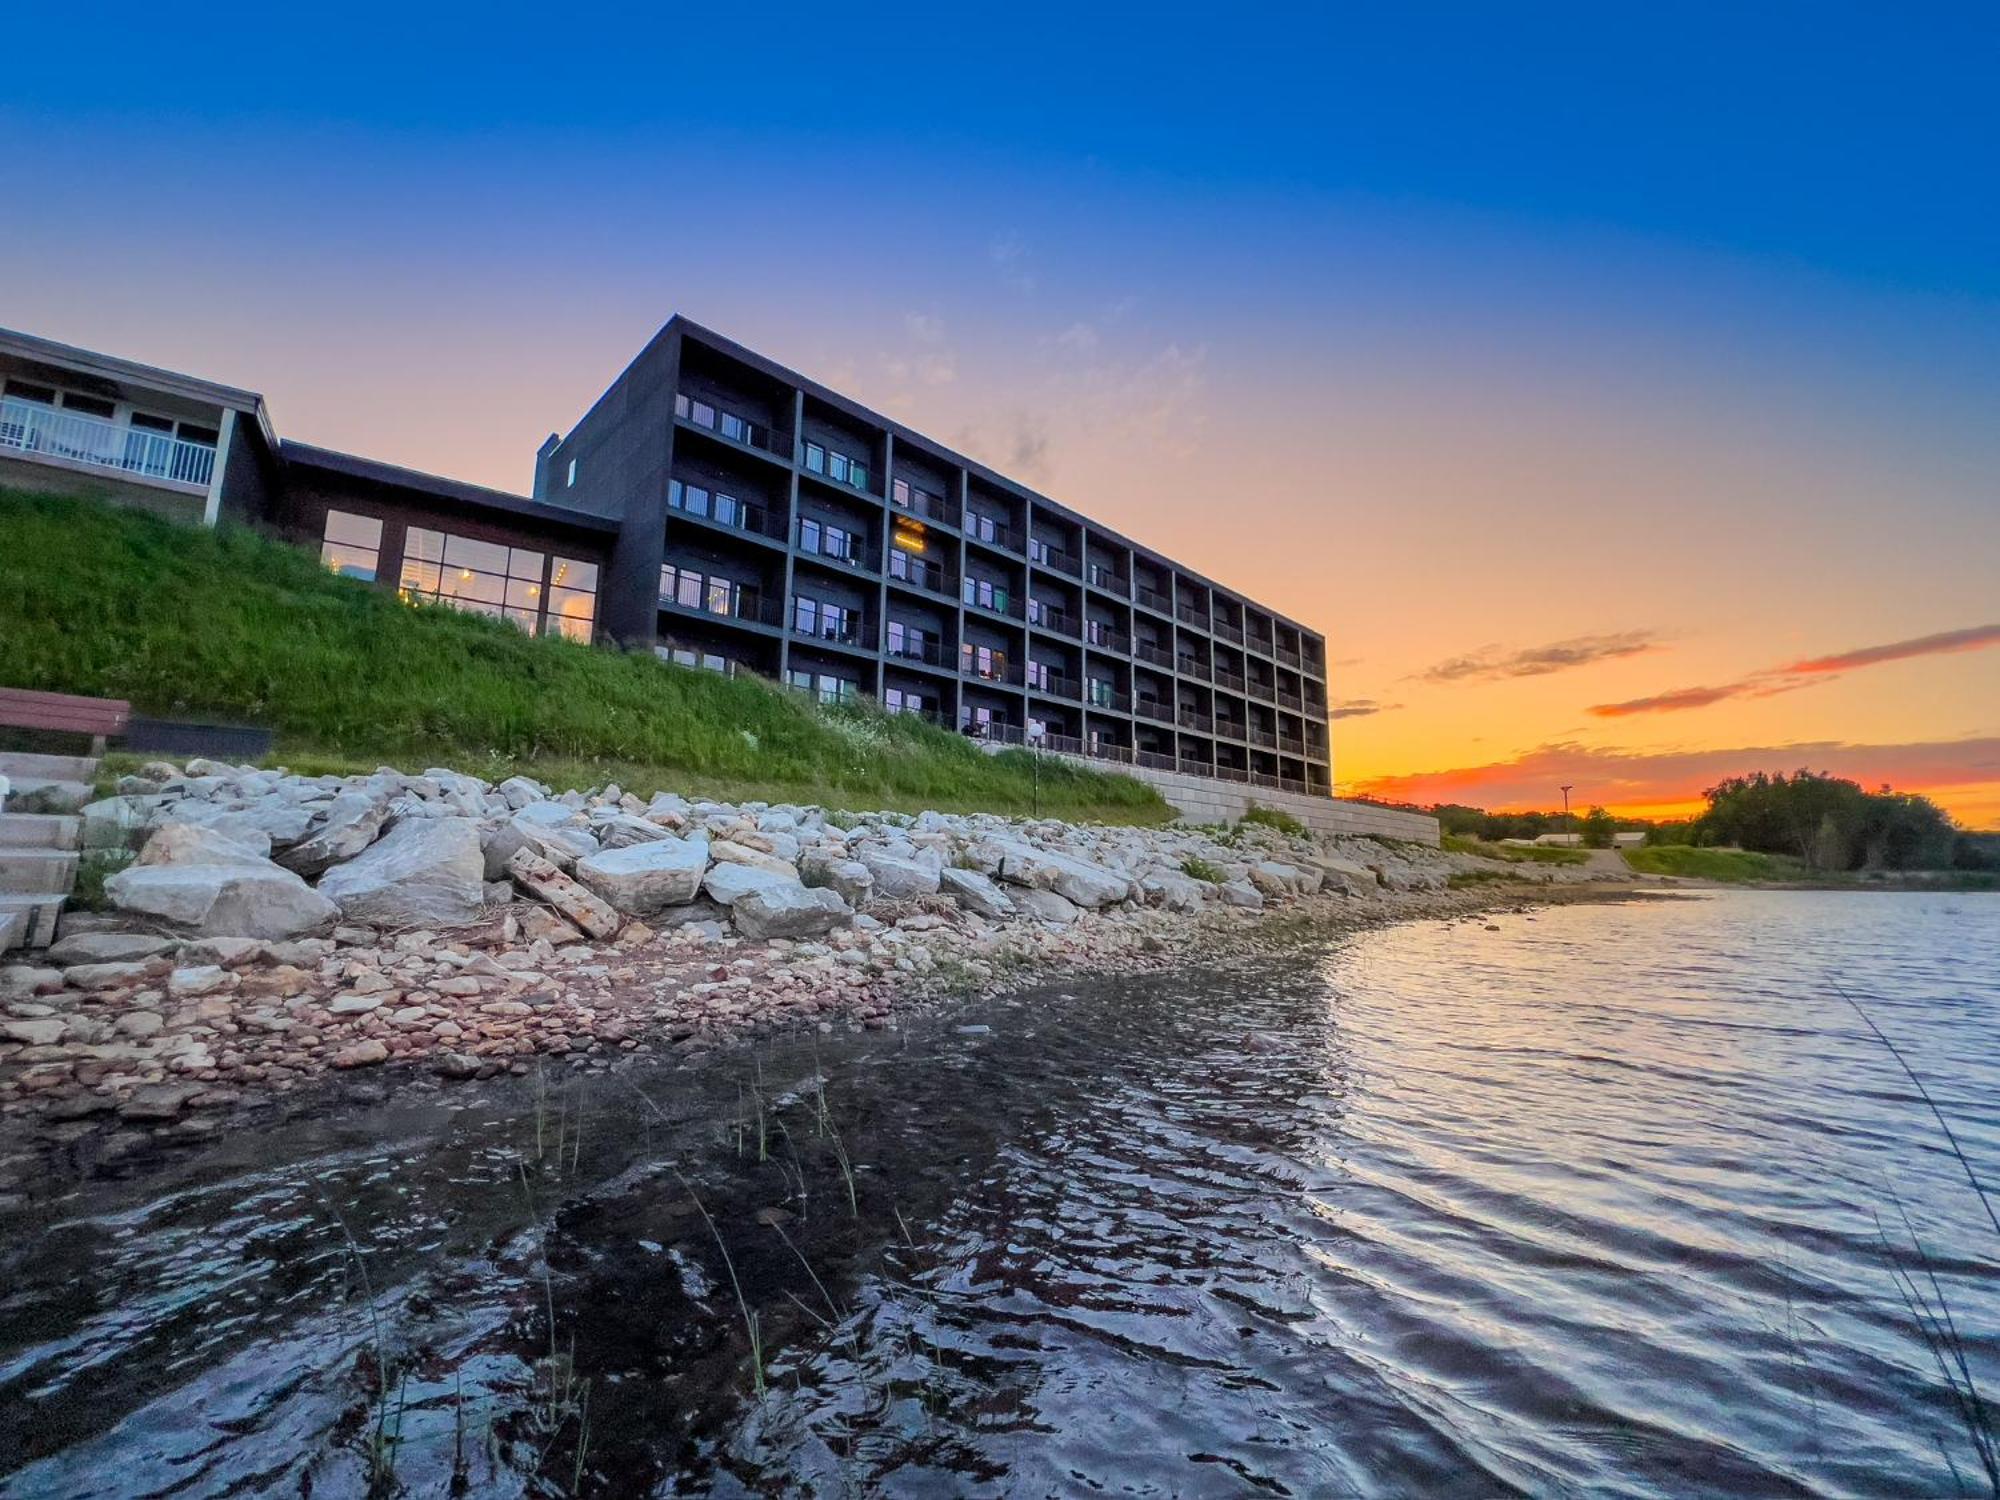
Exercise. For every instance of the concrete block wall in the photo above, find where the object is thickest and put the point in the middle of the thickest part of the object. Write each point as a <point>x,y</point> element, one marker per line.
<point>1201,799</point>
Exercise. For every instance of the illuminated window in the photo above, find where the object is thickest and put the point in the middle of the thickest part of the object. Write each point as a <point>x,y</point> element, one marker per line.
<point>572,605</point>
<point>352,546</point>
<point>508,583</point>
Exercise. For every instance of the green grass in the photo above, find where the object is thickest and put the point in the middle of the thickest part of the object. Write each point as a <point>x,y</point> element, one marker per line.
<point>228,624</point>
<point>1733,865</point>
<point>1515,854</point>
<point>1271,817</point>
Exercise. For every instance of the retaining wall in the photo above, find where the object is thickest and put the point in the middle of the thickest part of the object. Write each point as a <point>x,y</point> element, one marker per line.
<point>1202,799</point>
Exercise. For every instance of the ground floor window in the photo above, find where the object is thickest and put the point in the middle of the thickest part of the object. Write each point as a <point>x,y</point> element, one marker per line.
<point>527,588</point>
<point>824,686</point>
<point>352,545</point>
<point>906,701</point>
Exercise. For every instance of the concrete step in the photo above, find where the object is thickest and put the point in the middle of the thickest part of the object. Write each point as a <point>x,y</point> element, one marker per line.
<point>38,915</point>
<point>20,765</point>
<point>39,831</point>
<point>36,872</point>
<point>32,794</point>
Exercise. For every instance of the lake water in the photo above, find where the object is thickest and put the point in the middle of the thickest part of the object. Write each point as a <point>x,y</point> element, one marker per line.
<point>1613,1200</point>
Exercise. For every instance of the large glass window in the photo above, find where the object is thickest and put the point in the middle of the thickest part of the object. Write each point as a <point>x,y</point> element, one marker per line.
<point>352,545</point>
<point>986,595</point>
<point>483,578</point>
<point>824,686</point>
<point>573,598</point>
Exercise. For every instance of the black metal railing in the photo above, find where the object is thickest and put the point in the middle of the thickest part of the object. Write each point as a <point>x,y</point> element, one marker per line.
<point>1196,720</point>
<point>1097,633</point>
<point>1155,759</point>
<point>1048,617</point>
<point>994,533</point>
<point>1289,657</point>
<point>917,501</point>
<point>923,649</point>
<point>984,595</point>
<point>1229,632</point>
<point>1156,709</point>
<point>703,593</point>
<point>719,509</point>
<point>1054,684</point>
<point>914,571</point>
<point>1152,651</point>
<point>1191,666</point>
<point>834,543</point>
<point>1048,555</point>
<point>710,417</point>
<point>1153,599</point>
<point>1227,679</point>
<point>1109,579</point>
<point>1104,695</point>
<point>1292,701</point>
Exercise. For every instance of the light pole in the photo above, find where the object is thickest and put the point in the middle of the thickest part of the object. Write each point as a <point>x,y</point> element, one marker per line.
<point>1566,792</point>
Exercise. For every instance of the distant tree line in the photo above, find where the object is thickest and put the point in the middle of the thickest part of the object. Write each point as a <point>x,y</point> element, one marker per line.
<point>1826,822</point>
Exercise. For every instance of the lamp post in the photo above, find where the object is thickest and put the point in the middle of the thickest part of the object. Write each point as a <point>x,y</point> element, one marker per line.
<point>1566,823</point>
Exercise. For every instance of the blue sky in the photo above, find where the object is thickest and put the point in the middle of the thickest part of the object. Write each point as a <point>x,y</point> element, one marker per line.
<point>1521,326</point>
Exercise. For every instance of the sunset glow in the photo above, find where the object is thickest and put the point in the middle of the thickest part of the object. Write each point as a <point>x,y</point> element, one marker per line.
<point>1610,442</point>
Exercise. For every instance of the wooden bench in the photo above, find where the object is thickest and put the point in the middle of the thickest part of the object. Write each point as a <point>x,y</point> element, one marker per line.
<point>64,712</point>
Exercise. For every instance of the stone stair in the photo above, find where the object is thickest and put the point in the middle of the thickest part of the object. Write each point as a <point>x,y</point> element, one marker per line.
<point>39,840</point>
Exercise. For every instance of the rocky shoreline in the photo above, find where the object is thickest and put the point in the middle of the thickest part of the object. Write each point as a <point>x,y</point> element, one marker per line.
<point>276,930</point>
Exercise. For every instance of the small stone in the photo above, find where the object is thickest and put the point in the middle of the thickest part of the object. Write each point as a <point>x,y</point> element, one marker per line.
<point>140,1024</point>
<point>457,1065</point>
<point>354,1005</point>
<point>204,979</point>
<point>34,1033</point>
<point>363,1054</point>
<point>158,1101</point>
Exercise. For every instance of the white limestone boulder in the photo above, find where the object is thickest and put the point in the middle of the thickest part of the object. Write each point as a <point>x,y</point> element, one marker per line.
<point>898,877</point>
<point>424,872</point>
<point>976,893</point>
<point>640,878</point>
<point>212,885</point>
<point>781,910</point>
<point>728,883</point>
<point>348,824</point>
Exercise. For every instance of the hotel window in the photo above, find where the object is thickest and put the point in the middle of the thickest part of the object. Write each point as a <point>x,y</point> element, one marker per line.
<point>983,661</point>
<point>828,540</point>
<point>986,595</point>
<point>571,480</point>
<point>827,622</point>
<point>482,578</point>
<point>352,545</point>
<point>572,603</point>
<point>977,722</point>
<point>904,701</point>
<point>824,686</point>
<point>1038,675</point>
<point>907,640</point>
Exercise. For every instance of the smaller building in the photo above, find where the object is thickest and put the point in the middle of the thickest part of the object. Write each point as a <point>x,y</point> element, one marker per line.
<point>77,421</point>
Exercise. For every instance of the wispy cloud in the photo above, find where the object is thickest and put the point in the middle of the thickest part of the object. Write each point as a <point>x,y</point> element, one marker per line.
<point>1494,663</point>
<point>1945,642</point>
<point>1009,254</point>
<point>1640,779</point>
<point>1802,674</point>
<point>1360,708</point>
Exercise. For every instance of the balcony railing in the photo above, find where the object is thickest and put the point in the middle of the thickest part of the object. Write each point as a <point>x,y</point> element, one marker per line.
<point>1292,744</point>
<point>1262,690</point>
<point>984,595</point>
<point>1192,614</point>
<point>1229,729</point>
<point>1229,632</point>
<point>1153,599</point>
<point>1110,580</point>
<point>1156,759</point>
<point>1263,737</point>
<point>712,418</point>
<point>815,626</point>
<point>1052,684</point>
<point>816,458</point>
<point>1292,701</point>
<point>1048,617</point>
<point>817,539</point>
<point>1189,666</point>
<point>919,502</point>
<point>1194,719</point>
<point>1228,679</point>
<point>993,667</point>
<point>1155,709</point>
<point>723,510</point>
<point>1098,634</point>
<point>1195,767</point>
<point>700,593</point>
<point>1149,651</point>
<point>1049,555</point>
<point>920,574</point>
<point>33,428</point>
<point>923,649</point>
<point>1289,657</point>
<point>995,533</point>
<point>1104,695</point>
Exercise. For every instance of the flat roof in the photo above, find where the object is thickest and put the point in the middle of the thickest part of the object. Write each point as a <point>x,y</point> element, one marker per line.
<point>436,486</point>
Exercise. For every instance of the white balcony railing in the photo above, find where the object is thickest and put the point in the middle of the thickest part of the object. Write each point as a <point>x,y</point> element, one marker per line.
<point>34,428</point>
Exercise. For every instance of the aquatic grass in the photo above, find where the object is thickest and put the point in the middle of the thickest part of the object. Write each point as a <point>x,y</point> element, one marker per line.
<point>382,1442</point>
<point>1932,1314</point>
<point>750,1328</point>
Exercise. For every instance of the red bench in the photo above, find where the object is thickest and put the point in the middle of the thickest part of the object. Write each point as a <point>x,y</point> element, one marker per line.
<point>96,717</point>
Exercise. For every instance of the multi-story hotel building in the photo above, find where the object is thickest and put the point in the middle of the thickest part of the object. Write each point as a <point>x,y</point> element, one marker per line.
<point>729,513</point>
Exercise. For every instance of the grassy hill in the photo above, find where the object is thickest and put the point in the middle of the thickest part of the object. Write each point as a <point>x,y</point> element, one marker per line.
<point>186,622</point>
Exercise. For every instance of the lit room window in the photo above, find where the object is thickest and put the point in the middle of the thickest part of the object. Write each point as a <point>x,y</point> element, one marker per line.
<point>352,546</point>
<point>482,578</point>
<point>573,598</point>
<point>571,480</point>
